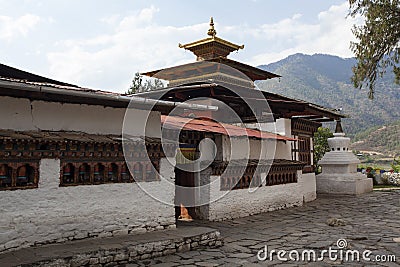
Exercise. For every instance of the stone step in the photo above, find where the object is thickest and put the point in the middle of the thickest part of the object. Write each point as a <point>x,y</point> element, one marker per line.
<point>113,251</point>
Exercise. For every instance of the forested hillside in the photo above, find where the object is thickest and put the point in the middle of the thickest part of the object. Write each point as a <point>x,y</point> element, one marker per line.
<point>325,80</point>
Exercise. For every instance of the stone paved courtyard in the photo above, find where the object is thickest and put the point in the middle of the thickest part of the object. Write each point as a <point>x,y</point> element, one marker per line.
<point>371,222</point>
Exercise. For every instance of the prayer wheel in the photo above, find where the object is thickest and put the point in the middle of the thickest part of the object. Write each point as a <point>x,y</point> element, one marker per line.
<point>124,173</point>
<point>111,174</point>
<point>110,170</point>
<point>83,175</point>
<point>149,172</point>
<point>123,169</point>
<point>96,169</point>
<point>82,170</point>
<point>67,170</point>
<point>98,173</point>
<point>3,171</point>
<point>137,172</point>
<point>22,172</point>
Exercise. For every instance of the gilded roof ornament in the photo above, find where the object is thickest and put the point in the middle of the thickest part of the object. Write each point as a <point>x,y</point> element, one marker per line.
<point>212,46</point>
<point>212,32</point>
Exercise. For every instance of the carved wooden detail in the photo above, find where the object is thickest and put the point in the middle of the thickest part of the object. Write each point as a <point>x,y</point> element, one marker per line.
<point>82,162</point>
<point>303,151</point>
<point>304,127</point>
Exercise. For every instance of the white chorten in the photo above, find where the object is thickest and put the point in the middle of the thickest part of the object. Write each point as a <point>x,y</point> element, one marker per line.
<point>339,169</point>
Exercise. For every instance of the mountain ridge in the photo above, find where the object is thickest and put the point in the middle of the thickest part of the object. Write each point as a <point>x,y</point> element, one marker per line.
<point>379,138</point>
<point>326,80</point>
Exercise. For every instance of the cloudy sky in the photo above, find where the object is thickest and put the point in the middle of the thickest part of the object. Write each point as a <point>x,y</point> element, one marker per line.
<point>101,44</point>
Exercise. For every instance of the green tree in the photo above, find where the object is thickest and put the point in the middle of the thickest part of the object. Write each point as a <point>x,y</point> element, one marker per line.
<point>377,46</point>
<point>396,165</point>
<point>321,144</point>
<point>140,85</point>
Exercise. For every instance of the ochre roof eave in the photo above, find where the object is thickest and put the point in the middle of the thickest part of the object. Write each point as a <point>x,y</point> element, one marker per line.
<point>195,44</point>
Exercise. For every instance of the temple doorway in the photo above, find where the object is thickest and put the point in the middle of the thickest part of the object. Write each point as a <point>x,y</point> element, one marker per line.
<point>184,193</point>
<point>185,183</point>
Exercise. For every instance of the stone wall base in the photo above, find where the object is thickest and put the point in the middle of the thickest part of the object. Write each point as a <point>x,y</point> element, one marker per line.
<point>116,252</point>
<point>344,184</point>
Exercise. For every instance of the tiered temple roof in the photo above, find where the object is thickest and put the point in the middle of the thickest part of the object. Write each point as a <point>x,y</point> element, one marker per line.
<point>215,76</point>
<point>211,53</point>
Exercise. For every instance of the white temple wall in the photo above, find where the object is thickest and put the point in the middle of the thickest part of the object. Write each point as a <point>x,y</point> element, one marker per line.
<point>244,148</point>
<point>208,149</point>
<point>283,150</point>
<point>235,148</point>
<point>280,126</point>
<point>25,115</point>
<point>57,214</point>
<point>307,182</point>
<point>242,202</point>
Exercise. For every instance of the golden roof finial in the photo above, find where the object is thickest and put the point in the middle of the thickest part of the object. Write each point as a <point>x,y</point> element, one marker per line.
<point>212,32</point>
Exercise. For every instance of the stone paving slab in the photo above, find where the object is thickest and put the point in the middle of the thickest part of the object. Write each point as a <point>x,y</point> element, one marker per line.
<point>50,252</point>
<point>372,221</point>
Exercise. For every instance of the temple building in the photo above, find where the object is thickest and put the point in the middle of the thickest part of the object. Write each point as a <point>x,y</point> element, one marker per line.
<point>63,173</point>
<point>281,168</point>
<point>210,141</point>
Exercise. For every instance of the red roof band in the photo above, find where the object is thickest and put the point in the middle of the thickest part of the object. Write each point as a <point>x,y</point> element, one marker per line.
<point>205,125</point>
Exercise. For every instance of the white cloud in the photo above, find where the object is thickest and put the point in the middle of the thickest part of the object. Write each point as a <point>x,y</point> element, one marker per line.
<point>11,28</point>
<point>111,20</point>
<point>330,35</point>
<point>137,43</point>
<point>109,61</point>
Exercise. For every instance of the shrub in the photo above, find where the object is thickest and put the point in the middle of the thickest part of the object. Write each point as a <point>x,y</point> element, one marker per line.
<point>391,178</point>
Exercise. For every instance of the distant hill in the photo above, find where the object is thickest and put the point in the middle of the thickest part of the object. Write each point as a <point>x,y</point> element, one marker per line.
<point>325,80</point>
<point>379,138</point>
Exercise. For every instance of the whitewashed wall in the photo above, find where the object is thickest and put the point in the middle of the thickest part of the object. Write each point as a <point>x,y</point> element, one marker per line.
<point>25,115</point>
<point>57,214</point>
<point>283,127</point>
<point>242,202</point>
<point>244,148</point>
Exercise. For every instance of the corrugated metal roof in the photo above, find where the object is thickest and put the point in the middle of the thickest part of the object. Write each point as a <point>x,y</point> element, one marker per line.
<point>60,85</point>
<point>204,125</point>
<point>77,95</point>
<point>14,73</point>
